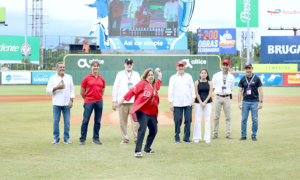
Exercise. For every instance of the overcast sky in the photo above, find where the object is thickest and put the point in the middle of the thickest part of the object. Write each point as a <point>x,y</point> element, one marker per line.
<point>72,18</point>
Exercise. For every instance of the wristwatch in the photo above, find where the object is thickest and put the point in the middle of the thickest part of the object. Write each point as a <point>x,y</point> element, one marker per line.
<point>261,101</point>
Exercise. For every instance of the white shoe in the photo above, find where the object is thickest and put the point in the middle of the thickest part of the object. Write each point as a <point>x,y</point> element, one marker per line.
<point>138,154</point>
<point>196,141</point>
<point>124,142</point>
<point>207,141</point>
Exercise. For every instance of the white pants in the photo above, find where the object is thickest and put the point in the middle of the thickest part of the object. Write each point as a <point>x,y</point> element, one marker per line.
<point>199,111</point>
<point>104,24</point>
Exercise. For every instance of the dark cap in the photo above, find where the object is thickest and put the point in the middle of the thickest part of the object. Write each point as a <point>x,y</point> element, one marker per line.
<point>128,60</point>
<point>247,65</point>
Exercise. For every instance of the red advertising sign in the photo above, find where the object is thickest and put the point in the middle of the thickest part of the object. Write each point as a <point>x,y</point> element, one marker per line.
<point>291,79</point>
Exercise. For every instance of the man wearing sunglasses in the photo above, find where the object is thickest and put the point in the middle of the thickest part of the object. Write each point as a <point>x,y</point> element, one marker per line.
<point>125,80</point>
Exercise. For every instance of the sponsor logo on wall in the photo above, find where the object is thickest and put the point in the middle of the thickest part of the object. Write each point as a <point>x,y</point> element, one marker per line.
<point>16,77</point>
<point>82,63</point>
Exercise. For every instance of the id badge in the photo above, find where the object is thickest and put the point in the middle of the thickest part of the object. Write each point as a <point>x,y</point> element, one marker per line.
<point>130,85</point>
<point>248,90</point>
<point>223,89</point>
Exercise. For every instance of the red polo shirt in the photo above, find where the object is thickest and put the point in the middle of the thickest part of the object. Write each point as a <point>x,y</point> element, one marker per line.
<point>93,88</point>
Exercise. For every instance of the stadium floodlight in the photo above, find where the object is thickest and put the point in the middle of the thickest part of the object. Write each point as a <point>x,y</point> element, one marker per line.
<point>2,16</point>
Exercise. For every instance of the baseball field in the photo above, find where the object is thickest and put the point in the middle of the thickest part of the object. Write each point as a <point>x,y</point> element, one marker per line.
<point>26,135</point>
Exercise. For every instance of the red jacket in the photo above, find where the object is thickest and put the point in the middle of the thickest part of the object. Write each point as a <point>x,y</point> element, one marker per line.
<point>142,18</point>
<point>143,93</point>
<point>117,8</point>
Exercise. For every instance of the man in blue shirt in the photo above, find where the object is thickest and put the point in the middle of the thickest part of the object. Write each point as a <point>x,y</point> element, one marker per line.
<point>102,18</point>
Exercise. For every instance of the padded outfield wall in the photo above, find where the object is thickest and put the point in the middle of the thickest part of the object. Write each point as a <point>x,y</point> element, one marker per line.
<point>79,65</point>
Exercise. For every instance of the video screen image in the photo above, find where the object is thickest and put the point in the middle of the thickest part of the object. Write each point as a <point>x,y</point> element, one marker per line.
<point>143,18</point>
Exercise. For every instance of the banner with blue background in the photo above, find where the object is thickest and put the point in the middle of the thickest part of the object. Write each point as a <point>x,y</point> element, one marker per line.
<point>41,77</point>
<point>267,79</point>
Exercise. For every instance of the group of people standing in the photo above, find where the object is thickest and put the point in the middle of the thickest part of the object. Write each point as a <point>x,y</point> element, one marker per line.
<point>139,99</point>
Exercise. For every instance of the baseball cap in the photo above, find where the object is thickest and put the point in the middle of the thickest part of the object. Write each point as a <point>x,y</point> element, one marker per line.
<point>180,63</point>
<point>226,61</point>
<point>128,60</point>
<point>248,65</point>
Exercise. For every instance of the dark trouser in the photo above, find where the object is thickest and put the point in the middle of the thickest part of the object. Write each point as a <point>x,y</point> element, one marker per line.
<point>118,25</point>
<point>172,24</point>
<point>178,112</point>
<point>144,121</point>
<point>88,109</point>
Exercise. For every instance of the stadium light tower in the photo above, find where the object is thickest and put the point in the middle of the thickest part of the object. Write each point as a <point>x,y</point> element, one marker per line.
<point>248,32</point>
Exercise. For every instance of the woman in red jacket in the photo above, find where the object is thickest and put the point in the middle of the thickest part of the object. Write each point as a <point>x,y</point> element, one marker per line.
<point>145,108</point>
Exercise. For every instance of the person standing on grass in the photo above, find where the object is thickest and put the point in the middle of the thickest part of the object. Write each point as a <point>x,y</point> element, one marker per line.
<point>181,96</point>
<point>223,85</point>
<point>145,108</point>
<point>251,87</point>
<point>92,90</point>
<point>125,80</point>
<point>203,89</point>
<point>61,87</point>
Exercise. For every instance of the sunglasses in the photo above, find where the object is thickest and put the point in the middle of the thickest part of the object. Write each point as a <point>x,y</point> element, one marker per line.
<point>129,63</point>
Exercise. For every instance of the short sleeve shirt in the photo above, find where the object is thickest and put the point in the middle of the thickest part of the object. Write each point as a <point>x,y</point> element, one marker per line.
<point>255,84</point>
<point>93,88</point>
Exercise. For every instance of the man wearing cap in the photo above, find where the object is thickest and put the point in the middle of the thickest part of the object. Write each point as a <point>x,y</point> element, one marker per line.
<point>223,84</point>
<point>125,80</point>
<point>252,100</point>
<point>181,97</point>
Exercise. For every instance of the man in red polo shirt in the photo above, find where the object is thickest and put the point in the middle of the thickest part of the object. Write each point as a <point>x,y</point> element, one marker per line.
<point>92,90</point>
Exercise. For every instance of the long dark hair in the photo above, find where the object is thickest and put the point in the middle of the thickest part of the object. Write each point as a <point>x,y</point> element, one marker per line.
<point>203,69</point>
<point>147,71</point>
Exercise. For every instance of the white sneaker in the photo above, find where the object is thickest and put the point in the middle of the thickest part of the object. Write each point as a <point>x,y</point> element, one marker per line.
<point>138,154</point>
<point>207,141</point>
<point>196,141</point>
<point>124,142</point>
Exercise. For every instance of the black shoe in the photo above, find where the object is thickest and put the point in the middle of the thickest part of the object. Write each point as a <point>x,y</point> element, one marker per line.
<point>96,141</point>
<point>188,141</point>
<point>56,141</point>
<point>254,139</point>
<point>243,138</point>
<point>81,142</point>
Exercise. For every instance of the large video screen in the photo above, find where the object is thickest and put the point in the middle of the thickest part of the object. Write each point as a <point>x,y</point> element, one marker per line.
<point>143,18</point>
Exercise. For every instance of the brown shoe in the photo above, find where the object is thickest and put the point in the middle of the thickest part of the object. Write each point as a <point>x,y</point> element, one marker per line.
<point>124,142</point>
<point>215,137</point>
<point>229,137</point>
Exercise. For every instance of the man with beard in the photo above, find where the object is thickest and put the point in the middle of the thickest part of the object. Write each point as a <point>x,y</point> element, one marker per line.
<point>223,85</point>
<point>61,87</point>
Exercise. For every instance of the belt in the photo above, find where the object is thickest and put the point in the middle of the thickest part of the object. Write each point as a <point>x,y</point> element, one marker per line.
<point>223,95</point>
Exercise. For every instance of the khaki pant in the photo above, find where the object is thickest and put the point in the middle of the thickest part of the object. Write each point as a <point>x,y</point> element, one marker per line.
<point>218,103</point>
<point>123,116</point>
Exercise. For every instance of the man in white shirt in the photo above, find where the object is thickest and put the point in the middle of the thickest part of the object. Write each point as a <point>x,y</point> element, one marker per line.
<point>61,87</point>
<point>181,96</point>
<point>125,80</point>
<point>223,85</point>
<point>171,13</point>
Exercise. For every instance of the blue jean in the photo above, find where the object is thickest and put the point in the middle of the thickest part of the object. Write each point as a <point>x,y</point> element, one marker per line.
<point>88,109</point>
<point>56,118</point>
<point>247,106</point>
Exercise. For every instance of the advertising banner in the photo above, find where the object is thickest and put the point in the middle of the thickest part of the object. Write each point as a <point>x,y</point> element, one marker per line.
<point>291,79</point>
<point>12,49</point>
<point>275,67</point>
<point>41,77</point>
<point>86,40</point>
<point>267,79</point>
<point>280,49</point>
<point>16,78</point>
<point>242,15</point>
<point>216,41</point>
<point>279,13</point>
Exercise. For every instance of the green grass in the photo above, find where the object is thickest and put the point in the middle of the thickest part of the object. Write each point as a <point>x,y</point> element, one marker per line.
<point>26,152</point>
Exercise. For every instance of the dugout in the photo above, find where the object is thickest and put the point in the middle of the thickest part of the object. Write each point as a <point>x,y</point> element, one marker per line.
<point>78,66</point>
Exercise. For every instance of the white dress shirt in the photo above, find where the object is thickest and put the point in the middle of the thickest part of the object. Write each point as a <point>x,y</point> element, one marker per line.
<point>120,87</point>
<point>181,90</point>
<point>61,97</point>
<point>218,83</point>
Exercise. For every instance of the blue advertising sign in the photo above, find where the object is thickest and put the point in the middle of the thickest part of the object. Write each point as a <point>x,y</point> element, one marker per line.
<point>267,79</point>
<point>41,77</point>
<point>280,49</point>
<point>216,41</point>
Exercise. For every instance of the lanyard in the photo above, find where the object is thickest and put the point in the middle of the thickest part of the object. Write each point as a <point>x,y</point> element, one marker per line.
<point>128,76</point>
<point>225,79</point>
<point>249,83</point>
